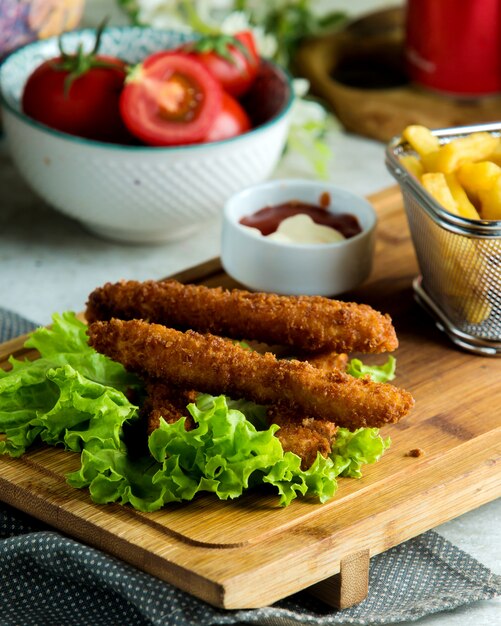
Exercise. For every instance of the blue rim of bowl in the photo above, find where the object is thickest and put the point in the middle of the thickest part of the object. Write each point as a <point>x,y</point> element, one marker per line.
<point>115,146</point>
<point>307,183</point>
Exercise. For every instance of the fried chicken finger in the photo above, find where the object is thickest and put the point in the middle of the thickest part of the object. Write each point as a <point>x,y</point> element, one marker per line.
<point>168,402</point>
<point>311,323</point>
<point>303,436</point>
<point>215,365</point>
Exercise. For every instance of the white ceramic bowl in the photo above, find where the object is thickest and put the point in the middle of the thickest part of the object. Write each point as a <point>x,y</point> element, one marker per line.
<point>297,269</point>
<point>138,193</point>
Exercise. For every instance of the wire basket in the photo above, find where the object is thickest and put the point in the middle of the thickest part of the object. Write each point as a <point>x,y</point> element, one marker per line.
<point>459,259</point>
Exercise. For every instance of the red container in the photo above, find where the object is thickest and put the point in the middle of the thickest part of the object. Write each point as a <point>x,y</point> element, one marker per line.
<point>454,46</point>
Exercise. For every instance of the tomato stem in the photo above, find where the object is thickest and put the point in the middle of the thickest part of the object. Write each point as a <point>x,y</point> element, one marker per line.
<point>80,62</point>
<point>133,73</point>
<point>220,44</point>
<point>194,20</point>
<point>99,34</point>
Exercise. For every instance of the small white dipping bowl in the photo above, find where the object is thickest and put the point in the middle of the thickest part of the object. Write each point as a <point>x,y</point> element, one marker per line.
<point>138,193</point>
<point>296,269</point>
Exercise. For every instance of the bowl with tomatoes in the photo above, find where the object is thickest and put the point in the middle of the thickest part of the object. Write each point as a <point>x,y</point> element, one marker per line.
<point>143,134</point>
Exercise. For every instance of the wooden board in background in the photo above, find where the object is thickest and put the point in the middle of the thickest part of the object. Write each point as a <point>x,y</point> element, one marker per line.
<point>359,72</point>
<point>223,551</point>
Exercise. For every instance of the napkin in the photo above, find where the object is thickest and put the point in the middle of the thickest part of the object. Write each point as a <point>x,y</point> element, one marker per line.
<point>47,578</point>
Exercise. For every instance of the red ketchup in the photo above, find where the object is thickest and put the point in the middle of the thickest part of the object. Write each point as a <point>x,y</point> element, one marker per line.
<point>268,218</point>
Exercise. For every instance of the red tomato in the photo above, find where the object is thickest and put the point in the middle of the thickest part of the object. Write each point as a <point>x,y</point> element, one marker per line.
<point>234,61</point>
<point>231,121</point>
<point>87,107</point>
<point>170,100</point>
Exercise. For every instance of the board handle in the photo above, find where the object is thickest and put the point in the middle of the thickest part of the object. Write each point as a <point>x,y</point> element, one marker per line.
<point>350,586</point>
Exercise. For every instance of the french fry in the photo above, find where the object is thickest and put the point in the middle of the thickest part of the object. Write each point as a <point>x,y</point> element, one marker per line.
<point>436,185</point>
<point>458,272</point>
<point>462,273</point>
<point>464,177</point>
<point>412,164</point>
<point>464,206</point>
<point>474,147</point>
<point>477,177</point>
<point>475,310</point>
<point>421,139</point>
<point>490,202</point>
<point>430,161</point>
<point>464,286</point>
<point>495,157</point>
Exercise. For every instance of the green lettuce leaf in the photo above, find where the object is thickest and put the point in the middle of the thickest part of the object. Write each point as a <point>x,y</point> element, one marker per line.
<point>378,373</point>
<point>68,396</point>
<point>224,454</point>
<point>74,397</point>
<point>65,343</point>
<point>352,450</point>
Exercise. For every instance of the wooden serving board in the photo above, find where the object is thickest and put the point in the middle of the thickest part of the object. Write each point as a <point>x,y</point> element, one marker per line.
<point>250,552</point>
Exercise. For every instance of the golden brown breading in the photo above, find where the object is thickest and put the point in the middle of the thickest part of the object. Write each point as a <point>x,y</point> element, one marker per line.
<point>322,360</point>
<point>327,360</point>
<point>167,401</point>
<point>311,323</point>
<point>214,365</point>
<point>305,436</point>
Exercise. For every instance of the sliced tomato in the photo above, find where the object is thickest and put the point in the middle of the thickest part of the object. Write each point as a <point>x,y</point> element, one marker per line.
<point>170,100</point>
<point>233,61</point>
<point>153,58</point>
<point>231,121</point>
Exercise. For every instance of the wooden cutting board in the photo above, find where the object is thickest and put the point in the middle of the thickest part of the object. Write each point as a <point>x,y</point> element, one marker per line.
<point>250,552</point>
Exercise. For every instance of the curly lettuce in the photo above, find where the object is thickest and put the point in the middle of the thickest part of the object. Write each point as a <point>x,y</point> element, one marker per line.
<point>76,398</point>
<point>378,373</point>
<point>68,396</point>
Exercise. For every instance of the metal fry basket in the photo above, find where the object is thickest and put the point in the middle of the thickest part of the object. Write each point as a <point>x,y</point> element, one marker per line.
<point>459,259</point>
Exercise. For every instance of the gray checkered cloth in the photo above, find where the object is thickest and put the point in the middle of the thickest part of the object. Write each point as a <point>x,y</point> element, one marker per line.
<point>48,579</point>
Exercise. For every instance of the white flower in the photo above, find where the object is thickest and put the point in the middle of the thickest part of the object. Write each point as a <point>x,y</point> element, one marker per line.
<point>161,14</point>
<point>260,9</point>
<point>266,43</point>
<point>306,113</point>
<point>237,21</point>
<point>212,11</point>
<point>214,6</point>
<point>301,86</point>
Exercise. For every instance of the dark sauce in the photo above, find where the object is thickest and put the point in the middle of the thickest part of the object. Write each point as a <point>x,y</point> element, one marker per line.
<point>268,219</point>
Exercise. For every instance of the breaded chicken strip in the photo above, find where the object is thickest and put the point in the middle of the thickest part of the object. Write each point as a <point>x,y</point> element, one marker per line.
<point>308,323</point>
<point>167,401</point>
<point>322,360</point>
<point>327,361</point>
<point>304,436</point>
<point>212,364</point>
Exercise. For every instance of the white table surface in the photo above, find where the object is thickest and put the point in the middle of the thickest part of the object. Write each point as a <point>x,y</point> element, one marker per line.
<point>51,263</point>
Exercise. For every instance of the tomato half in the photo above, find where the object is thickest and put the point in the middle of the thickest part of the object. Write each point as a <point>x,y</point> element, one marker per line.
<point>233,61</point>
<point>170,100</point>
<point>231,121</point>
<point>87,107</point>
